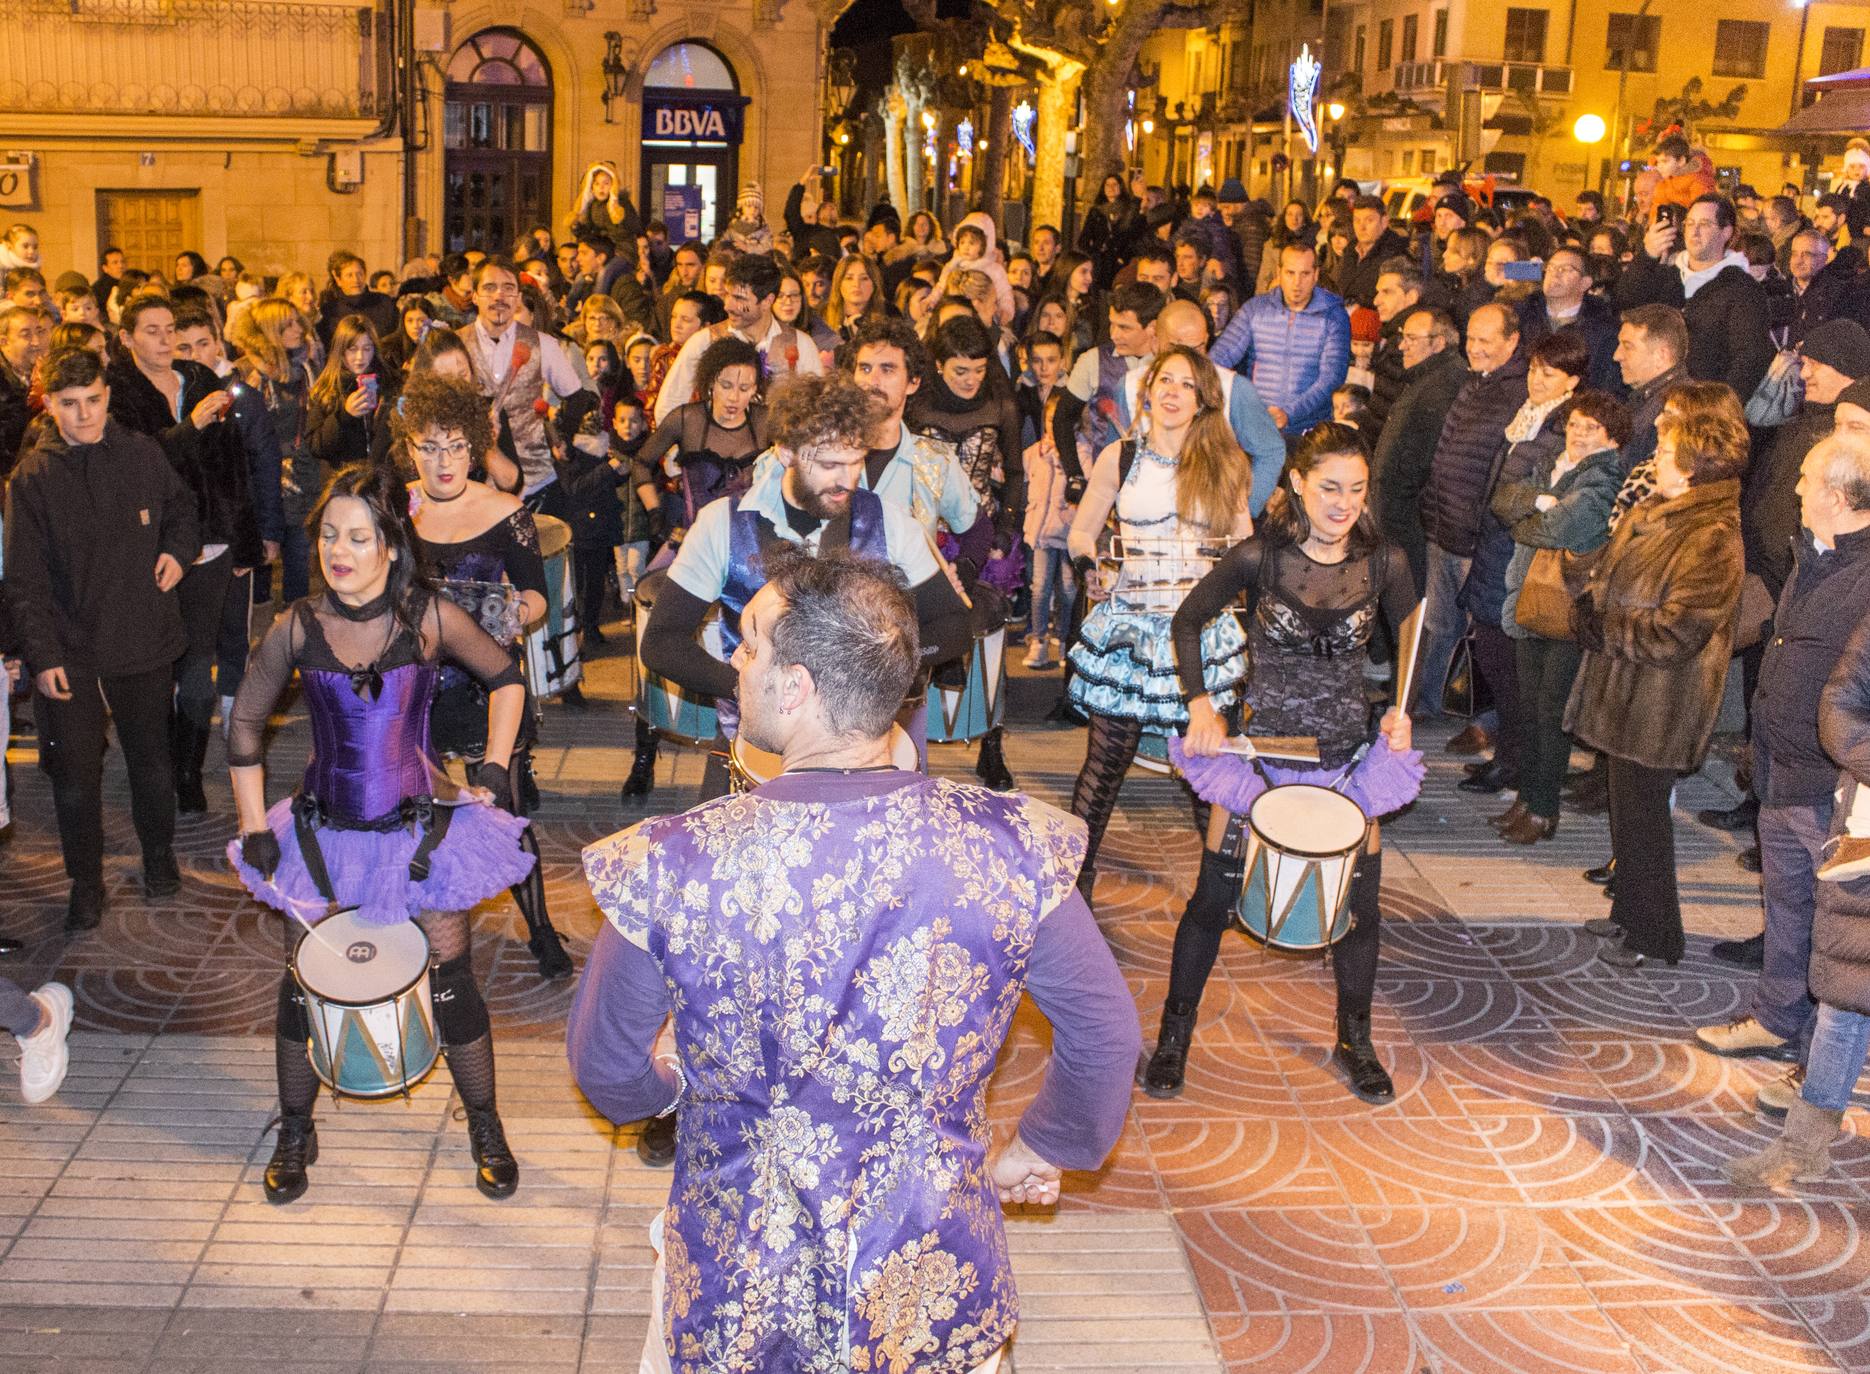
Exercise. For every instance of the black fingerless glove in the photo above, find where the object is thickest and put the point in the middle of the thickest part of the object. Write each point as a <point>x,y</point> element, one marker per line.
<point>260,852</point>
<point>495,778</point>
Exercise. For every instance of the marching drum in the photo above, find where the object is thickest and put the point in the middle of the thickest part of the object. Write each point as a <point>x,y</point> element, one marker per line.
<point>672,710</point>
<point>1302,843</point>
<point>748,767</point>
<point>967,710</point>
<point>367,1000</point>
<point>1152,754</point>
<point>552,655</point>
<point>499,607</point>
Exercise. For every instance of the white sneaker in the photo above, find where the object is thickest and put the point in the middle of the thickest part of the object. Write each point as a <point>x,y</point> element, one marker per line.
<point>1035,653</point>
<point>44,1055</point>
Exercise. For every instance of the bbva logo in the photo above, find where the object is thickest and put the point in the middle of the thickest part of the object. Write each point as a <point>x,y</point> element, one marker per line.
<point>705,123</point>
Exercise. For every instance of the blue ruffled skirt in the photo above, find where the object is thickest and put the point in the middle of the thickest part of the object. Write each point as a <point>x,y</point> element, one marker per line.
<point>1123,665</point>
<point>478,858</point>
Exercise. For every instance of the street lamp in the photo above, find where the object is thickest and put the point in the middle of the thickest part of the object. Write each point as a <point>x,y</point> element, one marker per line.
<point>616,72</point>
<point>1336,110</point>
<point>1589,129</point>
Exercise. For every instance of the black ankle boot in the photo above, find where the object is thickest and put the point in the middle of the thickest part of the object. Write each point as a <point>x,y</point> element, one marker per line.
<point>1358,1058</point>
<point>496,1172</point>
<point>189,754</point>
<point>85,910</point>
<point>548,947</point>
<point>642,771</point>
<point>1162,1075</point>
<point>991,767</point>
<point>294,1152</point>
<point>161,878</point>
<point>656,1146</point>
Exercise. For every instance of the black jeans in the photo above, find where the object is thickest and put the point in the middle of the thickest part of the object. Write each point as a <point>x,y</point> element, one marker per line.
<point>234,640</point>
<point>71,750</point>
<point>1547,668</point>
<point>201,597</point>
<point>1493,655</point>
<point>1642,840</point>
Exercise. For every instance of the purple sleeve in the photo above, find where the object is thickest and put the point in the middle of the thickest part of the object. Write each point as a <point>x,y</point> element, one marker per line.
<point>621,1003</point>
<point>1075,1120</point>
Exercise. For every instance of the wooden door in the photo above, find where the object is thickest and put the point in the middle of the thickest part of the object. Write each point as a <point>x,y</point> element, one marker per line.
<point>151,227</point>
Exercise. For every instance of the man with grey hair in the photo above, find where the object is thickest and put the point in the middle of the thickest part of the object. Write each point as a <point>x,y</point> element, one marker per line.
<point>842,949</point>
<point>1826,597</point>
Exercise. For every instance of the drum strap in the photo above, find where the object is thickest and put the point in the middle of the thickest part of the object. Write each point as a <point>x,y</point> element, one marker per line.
<point>305,828</point>
<point>431,823</point>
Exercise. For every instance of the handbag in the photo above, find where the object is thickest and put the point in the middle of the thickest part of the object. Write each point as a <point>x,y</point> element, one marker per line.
<point>1544,607</point>
<point>1458,693</point>
<point>1780,393</point>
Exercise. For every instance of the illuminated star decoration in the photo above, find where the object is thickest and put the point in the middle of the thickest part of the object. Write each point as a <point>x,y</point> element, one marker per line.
<point>1023,117</point>
<point>1301,92</point>
<point>964,137</point>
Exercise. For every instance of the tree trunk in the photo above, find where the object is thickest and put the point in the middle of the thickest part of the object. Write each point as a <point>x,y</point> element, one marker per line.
<point>1106,80</point>
<point>990,160</point>
<point>1048,172</point>
<point>895,115</point>
<point>915,166</point>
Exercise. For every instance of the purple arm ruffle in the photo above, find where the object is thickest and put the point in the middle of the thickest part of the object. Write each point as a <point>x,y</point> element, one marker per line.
<point>1383,781</point>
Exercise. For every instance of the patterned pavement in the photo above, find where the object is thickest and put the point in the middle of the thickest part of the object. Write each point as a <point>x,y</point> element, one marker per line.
<point>1545,1193</point>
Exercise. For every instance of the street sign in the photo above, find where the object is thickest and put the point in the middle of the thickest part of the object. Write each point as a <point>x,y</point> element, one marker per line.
<point>681,211</point>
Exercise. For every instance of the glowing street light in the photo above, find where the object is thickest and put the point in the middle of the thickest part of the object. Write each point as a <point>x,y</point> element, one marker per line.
<point>1149,126</point>
<point>1336,110</point>
<point>1589,129</point>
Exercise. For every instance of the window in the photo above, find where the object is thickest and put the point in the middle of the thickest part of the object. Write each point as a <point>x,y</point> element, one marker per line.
<point>1441,34</point>
<point>1409,37</point>
<point>1525,35</point>
<point>1386,44</point>
<point>1740,47</point>
<point>1639,37</point>
<point>1841,52</point>
<point>1408,161</point>
<point>1362,34</point>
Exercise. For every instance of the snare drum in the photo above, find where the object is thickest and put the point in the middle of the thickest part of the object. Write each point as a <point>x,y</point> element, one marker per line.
<point>1302,844</point>
<point>748,767</point>
<point>672,710</point>
<point>367,1002</point>
<point>552,646</point>
<point>963,713</point>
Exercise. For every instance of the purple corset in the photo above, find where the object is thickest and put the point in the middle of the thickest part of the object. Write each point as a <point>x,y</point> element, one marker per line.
<point>368,757</point>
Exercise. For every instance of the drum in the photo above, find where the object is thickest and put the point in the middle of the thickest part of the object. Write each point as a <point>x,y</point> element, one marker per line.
<point>672,710</point>
<point>367,1001</point>
<point>500,608</point>
<point>964,712</point>
<point>1302,843</point>
<point>552,655</point>
<point>1152,754</point>
<point>748,767</point>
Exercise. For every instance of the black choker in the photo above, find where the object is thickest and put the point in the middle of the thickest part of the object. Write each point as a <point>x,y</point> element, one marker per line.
<point>370,610</point>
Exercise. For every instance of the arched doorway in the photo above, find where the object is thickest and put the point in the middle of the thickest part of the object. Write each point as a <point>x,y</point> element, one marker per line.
<point>693,114</point>
<point>497,142</point>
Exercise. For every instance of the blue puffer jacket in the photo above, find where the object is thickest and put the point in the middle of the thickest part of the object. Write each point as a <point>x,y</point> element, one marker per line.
<point>1295,358</point>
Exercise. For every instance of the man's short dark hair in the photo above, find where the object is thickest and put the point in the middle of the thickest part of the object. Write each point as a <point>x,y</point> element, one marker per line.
<point>1368,203</point>
<point>1783,208</point>
<point>1301,245</point>
<point>600,243</point>
<point>454,266</point>
<point>886,331</point>
<point>657,226</point>
<point>70,367</point>
<point>17,277</point>
<point>1573,250</point>
<point>192,316</point>
<point>1155,252</point>
<point>1661,324</point>
<point>1405,271</point>
<point>1836,204</point>
<point>340,260</point>
<point>491,264</point>
<point>138,306</point>
<point>1674,145</point>
<point>1051,229</point>
<point>1594,199</point>
<point>817,264</point>
<point>1724,214</point>
<point>711,309</point>
<point>850,623</point>
<point>755,271</point>
<point>1440,323</point>
<point>1140,299</point>
<point>106,251</point>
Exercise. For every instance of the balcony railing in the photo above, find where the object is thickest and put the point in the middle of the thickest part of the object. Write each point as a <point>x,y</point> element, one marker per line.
<point>266,59</point>
<point>1527,78</point>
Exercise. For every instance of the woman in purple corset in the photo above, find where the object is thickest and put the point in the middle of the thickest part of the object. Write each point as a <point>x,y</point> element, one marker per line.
<point>1315,577</point>
<point>364,831</point>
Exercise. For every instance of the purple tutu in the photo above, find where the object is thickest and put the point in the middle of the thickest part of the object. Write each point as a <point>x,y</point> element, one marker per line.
<point>479,857</point>
<point>1381,782</point>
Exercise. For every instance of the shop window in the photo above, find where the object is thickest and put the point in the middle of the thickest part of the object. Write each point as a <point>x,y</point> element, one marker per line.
<point>1525,35</point>
<point>1628,37</point>
<point>1740,47</point>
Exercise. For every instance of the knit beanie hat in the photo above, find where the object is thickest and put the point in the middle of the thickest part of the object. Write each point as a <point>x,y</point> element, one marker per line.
<point>1366,325</point>
<point>1232,192</point>
<point>885,213</point>
<point>1842,345</point>
<point>752,201</point>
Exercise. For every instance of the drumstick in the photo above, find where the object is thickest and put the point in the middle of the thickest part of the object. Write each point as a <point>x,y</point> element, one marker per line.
<point>1408,650</point>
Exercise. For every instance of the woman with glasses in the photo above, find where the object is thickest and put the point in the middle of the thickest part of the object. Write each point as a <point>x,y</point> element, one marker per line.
<point>469,533</point>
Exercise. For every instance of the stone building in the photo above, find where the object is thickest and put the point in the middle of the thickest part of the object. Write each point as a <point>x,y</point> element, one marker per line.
<point>279,130</point>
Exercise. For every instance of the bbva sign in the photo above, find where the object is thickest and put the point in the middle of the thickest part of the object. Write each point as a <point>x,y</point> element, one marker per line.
<point>699,122</point>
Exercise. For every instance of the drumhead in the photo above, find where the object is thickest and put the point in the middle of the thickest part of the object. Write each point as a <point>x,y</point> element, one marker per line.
<point>1302,818</point>
<point>759,766</point>
<point>346,962</point>
<point>554,535</point>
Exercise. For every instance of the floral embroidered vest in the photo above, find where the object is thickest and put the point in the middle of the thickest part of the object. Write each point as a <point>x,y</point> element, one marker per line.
<point>843,975</point>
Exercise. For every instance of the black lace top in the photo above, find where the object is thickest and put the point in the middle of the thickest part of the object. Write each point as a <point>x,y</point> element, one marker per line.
<point>1308,627</point>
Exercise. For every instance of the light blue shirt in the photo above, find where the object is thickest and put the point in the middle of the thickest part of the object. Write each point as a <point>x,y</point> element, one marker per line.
<point>910,482</point>
<point>700,566</point>
<point>1255,432</point>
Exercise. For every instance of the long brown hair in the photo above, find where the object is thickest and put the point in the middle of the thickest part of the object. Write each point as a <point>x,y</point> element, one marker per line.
<point>1212,476</point>
<point>834,304</point>
<point>1284,520</point>
<point>349,330</point>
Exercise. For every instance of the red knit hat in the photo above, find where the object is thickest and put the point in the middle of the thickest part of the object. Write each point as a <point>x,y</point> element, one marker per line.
<point>1366,327</point>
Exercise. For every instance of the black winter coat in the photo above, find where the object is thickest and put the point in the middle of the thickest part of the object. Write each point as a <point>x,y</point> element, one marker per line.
<point>1769,509</point>
<point>1729,325</point>
<point>214,462</point>
<point>1596,323</point>
<point>1386,366</point>
<point>1465,453</point>
<point>1827,597</point>
<point>15,415</point>
<point>1406,450</point>
<point>1840,968</point>
<point>1357,276</point>
<point>1833,294</point>
<point>374,306</point>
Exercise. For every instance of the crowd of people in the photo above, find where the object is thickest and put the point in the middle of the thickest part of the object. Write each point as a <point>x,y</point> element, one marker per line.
<point>1306,475</point>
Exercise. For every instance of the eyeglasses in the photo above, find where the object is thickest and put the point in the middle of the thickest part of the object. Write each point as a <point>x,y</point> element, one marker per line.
<point>431,452</point>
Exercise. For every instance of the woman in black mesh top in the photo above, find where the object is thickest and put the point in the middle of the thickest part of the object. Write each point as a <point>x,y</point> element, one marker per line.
<point>1314,577</point>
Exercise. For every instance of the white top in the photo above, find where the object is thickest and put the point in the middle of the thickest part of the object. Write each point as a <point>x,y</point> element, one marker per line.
<point>679,386</point>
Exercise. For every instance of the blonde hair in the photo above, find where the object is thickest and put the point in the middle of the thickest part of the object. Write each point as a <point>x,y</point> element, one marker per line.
<point>1212,476</point>
<point>259,332</point>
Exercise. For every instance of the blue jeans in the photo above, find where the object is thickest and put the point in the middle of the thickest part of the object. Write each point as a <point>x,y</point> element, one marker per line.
<point>1791,843</point>
<point>1054,584</point>
<point>1839,1044</point>
<point>1443,625</point>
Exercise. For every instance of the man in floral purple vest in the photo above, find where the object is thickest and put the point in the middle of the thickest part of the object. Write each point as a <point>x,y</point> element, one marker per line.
<point>843,949</point>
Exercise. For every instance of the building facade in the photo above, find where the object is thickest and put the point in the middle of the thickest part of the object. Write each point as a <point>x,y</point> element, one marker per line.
<point>1429,84</point>
<point>280,130</point>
